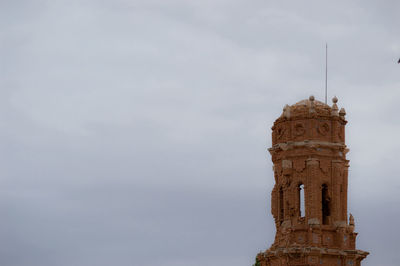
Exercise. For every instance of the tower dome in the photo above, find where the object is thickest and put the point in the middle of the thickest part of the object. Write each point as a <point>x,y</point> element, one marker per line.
<point>310,120</point>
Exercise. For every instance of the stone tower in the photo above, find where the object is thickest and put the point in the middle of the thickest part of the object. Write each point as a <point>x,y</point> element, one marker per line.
<point>309,199</point>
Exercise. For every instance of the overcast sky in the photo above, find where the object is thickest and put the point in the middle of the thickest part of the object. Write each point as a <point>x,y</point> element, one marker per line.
<point>136,132</point>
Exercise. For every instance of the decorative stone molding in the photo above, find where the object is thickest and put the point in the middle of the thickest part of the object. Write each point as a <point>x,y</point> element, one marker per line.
<point>286,164</point>
<point>307,144</point>
<point>299,129</point>
<point>286,224</point>
<point>286,111</point>
<point>335,107</point>
<point>342,112</point>
<point>323,128</point>
<point>324,165</point>
<point>340,224</point>
<point>313,221</point>
<point>312,161</point>
<point>299,165</point>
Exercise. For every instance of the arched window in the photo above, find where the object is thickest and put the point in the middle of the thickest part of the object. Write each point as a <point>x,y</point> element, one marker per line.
<point>281,206</point>
<point>326,212</point>
<point>301,200</point>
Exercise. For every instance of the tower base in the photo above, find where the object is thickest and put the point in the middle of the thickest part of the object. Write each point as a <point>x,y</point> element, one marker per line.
<point>304,256</point>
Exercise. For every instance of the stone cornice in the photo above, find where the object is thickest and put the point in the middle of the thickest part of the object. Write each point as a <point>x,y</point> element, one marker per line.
<point>313,144</point>
<point>314,251</point>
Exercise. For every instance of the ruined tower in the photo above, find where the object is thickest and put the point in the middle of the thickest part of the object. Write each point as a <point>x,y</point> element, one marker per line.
<point>309,199</point>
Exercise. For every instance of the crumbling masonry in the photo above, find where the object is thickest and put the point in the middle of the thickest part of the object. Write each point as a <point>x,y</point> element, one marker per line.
<point>309,199</point>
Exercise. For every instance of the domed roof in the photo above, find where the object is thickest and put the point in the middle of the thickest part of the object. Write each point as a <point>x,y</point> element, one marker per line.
<point>307,102</point>
<point>311,108</point>
<point>307,105</point>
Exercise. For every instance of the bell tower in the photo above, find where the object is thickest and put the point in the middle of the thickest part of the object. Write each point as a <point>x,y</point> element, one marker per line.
<point>309,199</point>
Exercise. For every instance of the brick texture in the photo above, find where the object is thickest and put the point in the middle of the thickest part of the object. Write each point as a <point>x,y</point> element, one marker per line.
<point>309,199</point>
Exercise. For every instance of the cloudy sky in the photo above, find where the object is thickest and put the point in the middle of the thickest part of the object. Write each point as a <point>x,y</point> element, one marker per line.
<point>135,132</point>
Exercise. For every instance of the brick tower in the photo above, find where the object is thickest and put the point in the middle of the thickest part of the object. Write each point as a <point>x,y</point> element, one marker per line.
<point>309,199</point>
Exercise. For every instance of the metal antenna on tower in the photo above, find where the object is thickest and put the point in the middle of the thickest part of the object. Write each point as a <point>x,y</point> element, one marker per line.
<point>326,73</point>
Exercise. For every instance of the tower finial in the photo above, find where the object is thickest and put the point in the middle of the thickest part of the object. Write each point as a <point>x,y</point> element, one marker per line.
<point>334,106</point>
<point>311,98</point>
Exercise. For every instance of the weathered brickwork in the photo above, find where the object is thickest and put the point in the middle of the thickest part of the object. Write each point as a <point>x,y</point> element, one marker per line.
<point>309,156</point>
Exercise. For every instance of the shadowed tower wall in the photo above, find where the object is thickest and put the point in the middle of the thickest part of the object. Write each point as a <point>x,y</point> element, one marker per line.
<point>309,199</point>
